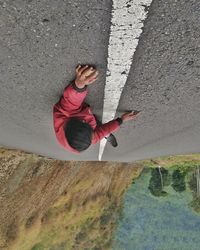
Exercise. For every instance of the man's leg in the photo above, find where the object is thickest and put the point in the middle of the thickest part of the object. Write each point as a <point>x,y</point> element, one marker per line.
<point>97,120</point>
<point>110,138</point>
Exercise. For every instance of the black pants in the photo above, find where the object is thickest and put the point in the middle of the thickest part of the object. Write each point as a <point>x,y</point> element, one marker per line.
<point>97,120</point>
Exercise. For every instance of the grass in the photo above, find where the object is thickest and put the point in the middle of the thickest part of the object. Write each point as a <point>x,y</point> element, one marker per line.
<point>184,161</point>
<point>81,226</point>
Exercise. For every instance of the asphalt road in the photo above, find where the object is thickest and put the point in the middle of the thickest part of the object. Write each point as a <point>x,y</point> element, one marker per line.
<point>42,42</point>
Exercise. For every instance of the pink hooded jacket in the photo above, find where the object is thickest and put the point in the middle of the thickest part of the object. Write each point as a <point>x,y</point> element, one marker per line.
<point>71,104</point>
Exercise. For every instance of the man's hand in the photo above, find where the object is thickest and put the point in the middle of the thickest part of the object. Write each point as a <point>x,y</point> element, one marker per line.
<point>85,75</point>
<point>130,115</point>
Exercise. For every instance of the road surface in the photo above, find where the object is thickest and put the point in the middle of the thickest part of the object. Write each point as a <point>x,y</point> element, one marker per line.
<point>43,41</point>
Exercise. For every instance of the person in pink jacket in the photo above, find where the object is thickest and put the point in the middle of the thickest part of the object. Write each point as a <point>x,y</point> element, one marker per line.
<point>76,128</point>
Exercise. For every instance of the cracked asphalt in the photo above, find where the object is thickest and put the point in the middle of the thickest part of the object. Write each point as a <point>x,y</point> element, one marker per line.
<point>43,41</point>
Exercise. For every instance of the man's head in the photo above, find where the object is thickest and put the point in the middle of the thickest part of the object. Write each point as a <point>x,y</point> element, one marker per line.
<point>78,134</point>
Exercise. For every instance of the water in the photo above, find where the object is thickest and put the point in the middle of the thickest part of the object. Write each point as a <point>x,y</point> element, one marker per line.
<point>157,223</point>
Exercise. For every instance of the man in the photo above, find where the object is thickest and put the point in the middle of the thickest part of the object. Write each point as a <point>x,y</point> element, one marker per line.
<point>75,126</point>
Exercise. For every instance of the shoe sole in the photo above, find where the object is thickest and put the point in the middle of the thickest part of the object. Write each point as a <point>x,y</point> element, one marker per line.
<point>112,140</point>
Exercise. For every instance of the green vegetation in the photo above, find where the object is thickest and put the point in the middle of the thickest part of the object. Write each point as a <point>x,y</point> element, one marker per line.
<point>178,178</point>
<point>182,162</point>
<point>194,184</point>
<point>159,179</point>
<point>152,222</point>
<point>184,173</point>
<point>38,246</point>
<point>178,181</point>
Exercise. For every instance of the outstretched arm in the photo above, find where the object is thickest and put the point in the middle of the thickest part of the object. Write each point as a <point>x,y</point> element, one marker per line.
<point>105,129</point>
<point>75,93</point>
<point>73,97</point>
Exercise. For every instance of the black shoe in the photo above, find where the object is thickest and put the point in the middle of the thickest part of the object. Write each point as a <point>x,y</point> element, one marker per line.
<point>111,138</point>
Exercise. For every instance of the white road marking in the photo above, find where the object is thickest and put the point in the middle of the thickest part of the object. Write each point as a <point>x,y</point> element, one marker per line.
<point>127,23</point>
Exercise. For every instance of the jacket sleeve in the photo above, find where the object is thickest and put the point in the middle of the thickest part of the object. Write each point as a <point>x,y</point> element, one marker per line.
<point>72,97</point>
<point>105,129</point>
